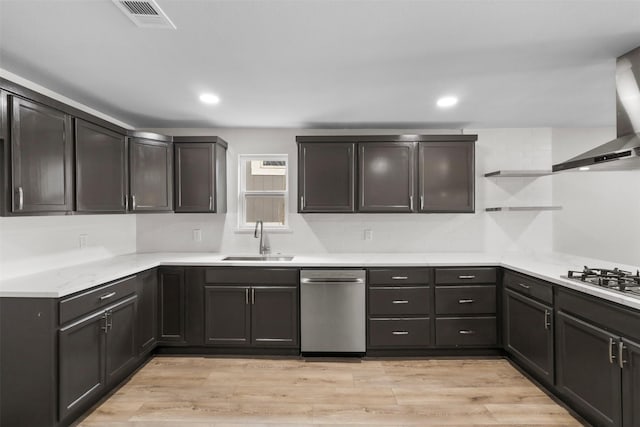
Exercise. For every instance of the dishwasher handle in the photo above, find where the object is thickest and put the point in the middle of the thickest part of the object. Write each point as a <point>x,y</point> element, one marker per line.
<point>332,280</point>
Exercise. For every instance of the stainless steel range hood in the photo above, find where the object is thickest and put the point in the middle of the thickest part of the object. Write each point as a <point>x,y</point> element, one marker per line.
<point>623,153</point>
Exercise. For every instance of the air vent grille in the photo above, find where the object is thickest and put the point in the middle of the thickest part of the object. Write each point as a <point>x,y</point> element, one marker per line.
<point>145,13</point>
<point>140,7</point>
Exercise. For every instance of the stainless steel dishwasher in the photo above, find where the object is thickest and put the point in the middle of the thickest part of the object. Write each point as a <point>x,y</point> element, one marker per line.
<point>332,311</point>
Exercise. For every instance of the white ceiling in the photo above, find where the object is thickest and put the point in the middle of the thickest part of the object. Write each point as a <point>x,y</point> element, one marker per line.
<point>324,63</point>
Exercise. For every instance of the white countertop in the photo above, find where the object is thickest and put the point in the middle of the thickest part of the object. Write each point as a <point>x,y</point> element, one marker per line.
<point>65,281</point>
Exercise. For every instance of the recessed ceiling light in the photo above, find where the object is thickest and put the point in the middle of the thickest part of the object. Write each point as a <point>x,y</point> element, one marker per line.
<point>209,98</point>
<point>583,168</point>
<point>447,101</point>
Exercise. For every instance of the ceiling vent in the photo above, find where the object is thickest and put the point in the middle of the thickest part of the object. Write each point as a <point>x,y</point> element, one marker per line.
<point>145,13</point>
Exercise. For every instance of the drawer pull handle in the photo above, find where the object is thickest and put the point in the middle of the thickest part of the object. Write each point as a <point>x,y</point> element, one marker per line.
<point>107,296</point>
<point>467,277</point>
<point>524,286</point>
<point>399,277</point>
<point>466,332</point>
<point>400,301</point>
<point>400,333</point>
<point>465,301</point>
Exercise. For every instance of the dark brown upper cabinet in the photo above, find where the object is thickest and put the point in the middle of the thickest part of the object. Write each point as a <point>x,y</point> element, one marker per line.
<point>150,173</point>
<point>386,177</point>
<point>326,177</point>
<point>41,158</point>
<point>200,174</point>
<point>101,169</point>
<point>446,176</point>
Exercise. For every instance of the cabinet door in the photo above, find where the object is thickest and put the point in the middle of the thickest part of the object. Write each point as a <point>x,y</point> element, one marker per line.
<point>387,175</point>
<point>631,384</point>
<point>101,169</point>
<point>82,363</point>
<point>151,175</point>
<point>147,311</point>
<point>274,316</point>
<point>171,305</point>
<point>528,333</point>
<point>41,147</point>
<point>446,176</point>
<point>326,177</point>
<point>195,177</point>
<point>587,370</point>
<point>227,316</point>
<point>122,349</point>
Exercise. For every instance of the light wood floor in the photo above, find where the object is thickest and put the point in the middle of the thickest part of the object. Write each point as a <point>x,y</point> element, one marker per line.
<point>207,392</point>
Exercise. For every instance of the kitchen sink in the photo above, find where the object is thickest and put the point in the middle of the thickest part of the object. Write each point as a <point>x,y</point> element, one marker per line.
<point>258,258</point>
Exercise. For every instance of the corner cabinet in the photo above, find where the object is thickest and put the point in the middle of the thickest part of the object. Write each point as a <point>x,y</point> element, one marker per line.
<point>41,141</point>
<point>101,169</point>
<point>150,173</point>
<point>386,174</point>
<point>326,177</point>
<point>200,174</point>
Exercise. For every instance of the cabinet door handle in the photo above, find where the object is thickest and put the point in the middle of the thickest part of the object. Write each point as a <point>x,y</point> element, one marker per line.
<point>133,202</point>
<point>522,285</point>
<point>210,203</point>
<point>421,202</point>
<point>107,296</point>
<point>400,301</point>
<point>466,332</point>
<point>246,296</point>
<point>20,198</point>
<point>399,277</point>
<point>400,333</point>
<point>621,349</point>
<point>547,319</point>
<point>301,202</point>
<point>253,296</point>
<point>126,203</point>
<point>105,327</point>
<point>465,301</point>
<point>611,356</point>
<point>471,276</point>
<point>411,202</point>
<point>109,315</point>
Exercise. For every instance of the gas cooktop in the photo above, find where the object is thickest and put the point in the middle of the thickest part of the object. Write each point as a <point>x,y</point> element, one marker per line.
<point>614,279</point>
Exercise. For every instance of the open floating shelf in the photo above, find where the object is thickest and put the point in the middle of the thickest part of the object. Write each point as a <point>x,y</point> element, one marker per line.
<point>517,173</point>
<point>523,208</point>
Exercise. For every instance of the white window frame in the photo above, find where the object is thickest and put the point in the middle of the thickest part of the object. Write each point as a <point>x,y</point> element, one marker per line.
<point>243,159</point>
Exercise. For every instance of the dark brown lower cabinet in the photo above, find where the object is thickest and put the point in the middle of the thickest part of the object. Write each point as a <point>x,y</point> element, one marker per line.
<point>631,384</point>
<point>82,362</point>
<point>227,316</point>
<point>122,349</point>
<point>588,372</point>
<point>528,334</point>
<point>171,305</point>
<point>96,351</point>
<point>147,311</point>
<point>257,316</point>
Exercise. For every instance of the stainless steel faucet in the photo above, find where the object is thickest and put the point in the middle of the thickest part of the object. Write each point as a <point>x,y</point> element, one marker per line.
<point>264,249</point>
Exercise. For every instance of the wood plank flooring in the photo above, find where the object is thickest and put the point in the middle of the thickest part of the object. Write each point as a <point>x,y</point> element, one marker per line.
<point>212,392</point>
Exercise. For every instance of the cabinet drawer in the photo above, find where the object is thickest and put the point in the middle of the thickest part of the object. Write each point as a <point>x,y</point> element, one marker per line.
<point>251,276</point>
<point>86,302</point>
<point>529,286</point>
<point>398,276</point>
<point>463,331</point>
<point>392,300</point>
<point>478,299</point>
<point>399,332</point>
<point>453,276</point>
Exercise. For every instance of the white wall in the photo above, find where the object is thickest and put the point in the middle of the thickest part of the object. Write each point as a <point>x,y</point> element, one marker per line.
<point>38,243</point>
<point>601,210</point>
<point>319,233</point>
